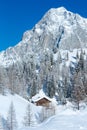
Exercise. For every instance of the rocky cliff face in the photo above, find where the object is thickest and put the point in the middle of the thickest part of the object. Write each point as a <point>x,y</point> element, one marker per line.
<point>58,29</point>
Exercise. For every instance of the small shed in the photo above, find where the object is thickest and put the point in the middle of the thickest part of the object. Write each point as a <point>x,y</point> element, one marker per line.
<point>42,101</point>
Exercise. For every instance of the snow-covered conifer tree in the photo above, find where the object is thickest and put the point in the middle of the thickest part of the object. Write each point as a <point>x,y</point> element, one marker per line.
<point>28,118</point>
<point>78,92</point>
<point>11,118</point>
<point>1,124</point>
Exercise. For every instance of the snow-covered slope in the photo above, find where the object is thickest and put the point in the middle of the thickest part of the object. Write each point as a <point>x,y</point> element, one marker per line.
<point>20,106</point>
<point>66,118</point>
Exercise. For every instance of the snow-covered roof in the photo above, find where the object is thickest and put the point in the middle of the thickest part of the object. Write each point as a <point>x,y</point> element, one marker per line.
<point>40,96</point>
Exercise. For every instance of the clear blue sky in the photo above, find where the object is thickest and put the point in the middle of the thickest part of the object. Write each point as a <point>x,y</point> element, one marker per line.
<point>17,16</point>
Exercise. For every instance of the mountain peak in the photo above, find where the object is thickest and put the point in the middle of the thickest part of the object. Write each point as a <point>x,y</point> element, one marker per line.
<point>58,15</point>
<point>59,9</point>
<point>62,9</point>
<point>59,26</point>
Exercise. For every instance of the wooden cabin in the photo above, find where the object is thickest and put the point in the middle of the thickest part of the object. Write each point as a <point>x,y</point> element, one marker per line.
<point>43,101</point>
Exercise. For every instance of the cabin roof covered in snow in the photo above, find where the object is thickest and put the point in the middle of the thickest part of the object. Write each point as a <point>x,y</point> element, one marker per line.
<point>40,96</point>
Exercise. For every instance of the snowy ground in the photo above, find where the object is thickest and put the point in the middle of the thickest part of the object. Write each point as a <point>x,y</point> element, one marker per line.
<point>20,106</point>
<point>66,117</point>
<point>64,120</point>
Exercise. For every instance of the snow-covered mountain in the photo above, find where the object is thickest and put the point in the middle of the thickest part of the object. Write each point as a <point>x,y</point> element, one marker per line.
<point>22,64</point>
<point>58,28</point>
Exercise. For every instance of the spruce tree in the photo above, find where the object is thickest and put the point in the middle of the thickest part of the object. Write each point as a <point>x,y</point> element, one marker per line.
<point>11,118</point>
<point>28,118</point>
<point>78,93</point>
<point>1,123</point>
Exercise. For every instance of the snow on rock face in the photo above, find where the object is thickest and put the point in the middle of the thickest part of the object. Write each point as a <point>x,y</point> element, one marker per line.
<point>62,26</point>
<point>58,29</point>
<point>60,16</point>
